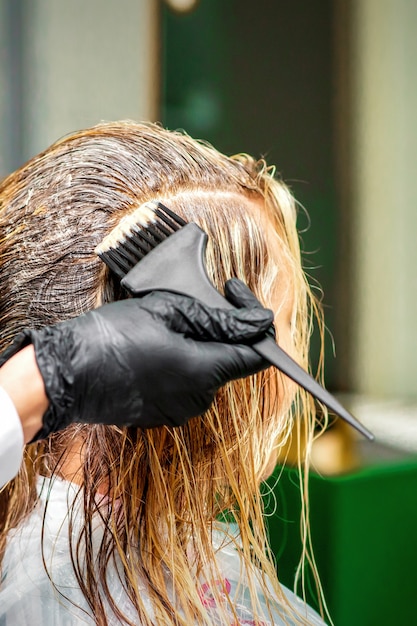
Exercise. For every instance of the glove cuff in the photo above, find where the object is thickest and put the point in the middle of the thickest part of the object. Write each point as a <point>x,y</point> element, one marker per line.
<point>19,342</point>
<point>51,346</point>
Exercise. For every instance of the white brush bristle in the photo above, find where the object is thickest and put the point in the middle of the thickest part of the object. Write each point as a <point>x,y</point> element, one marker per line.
<point>142,216</point>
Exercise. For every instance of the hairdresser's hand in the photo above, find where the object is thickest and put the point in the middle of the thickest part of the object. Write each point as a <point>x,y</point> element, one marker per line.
<point>145,362</point>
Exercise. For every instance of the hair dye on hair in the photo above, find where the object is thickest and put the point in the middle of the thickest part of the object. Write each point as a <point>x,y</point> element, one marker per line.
<point>158,493</point>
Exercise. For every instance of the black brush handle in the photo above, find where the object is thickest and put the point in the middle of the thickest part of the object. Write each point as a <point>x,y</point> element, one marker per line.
<point>177,265</point>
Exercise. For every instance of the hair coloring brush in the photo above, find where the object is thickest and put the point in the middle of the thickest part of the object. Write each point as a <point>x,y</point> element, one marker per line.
<point>154,249</point>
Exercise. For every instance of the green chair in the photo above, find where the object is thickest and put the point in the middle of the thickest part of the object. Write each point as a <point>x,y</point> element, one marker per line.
<point>364,533</point>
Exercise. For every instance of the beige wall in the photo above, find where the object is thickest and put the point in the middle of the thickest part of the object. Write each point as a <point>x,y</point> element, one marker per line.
<point>6,125</point>
<point>82,62</point>
<point>385,197</point>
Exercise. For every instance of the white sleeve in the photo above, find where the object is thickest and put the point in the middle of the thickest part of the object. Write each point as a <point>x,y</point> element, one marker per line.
<point>11,439</point>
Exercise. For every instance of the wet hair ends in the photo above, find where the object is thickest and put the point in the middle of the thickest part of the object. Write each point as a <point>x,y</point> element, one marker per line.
<point>165,487</point>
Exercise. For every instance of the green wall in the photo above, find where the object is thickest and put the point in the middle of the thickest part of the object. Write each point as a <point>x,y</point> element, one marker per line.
<point>257,77</point>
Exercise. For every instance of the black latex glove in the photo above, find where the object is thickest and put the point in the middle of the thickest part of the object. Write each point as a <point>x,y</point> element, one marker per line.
<point>158,360</point>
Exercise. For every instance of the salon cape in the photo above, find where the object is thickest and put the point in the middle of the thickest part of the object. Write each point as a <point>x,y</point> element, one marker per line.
<point>11,439</point>
<point>28,597</point>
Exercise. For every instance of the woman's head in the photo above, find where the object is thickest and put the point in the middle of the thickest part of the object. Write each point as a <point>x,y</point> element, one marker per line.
<point>58,207</point>
<point>53,213</point>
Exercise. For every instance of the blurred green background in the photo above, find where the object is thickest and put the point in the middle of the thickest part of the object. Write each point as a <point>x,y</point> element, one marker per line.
<point>258,78</point>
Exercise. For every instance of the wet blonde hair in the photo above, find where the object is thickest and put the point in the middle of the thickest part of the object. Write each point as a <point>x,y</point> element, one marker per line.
<point>167,487</point>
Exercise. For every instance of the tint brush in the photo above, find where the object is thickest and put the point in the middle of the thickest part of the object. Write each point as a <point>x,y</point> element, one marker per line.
<point>154,249</point>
